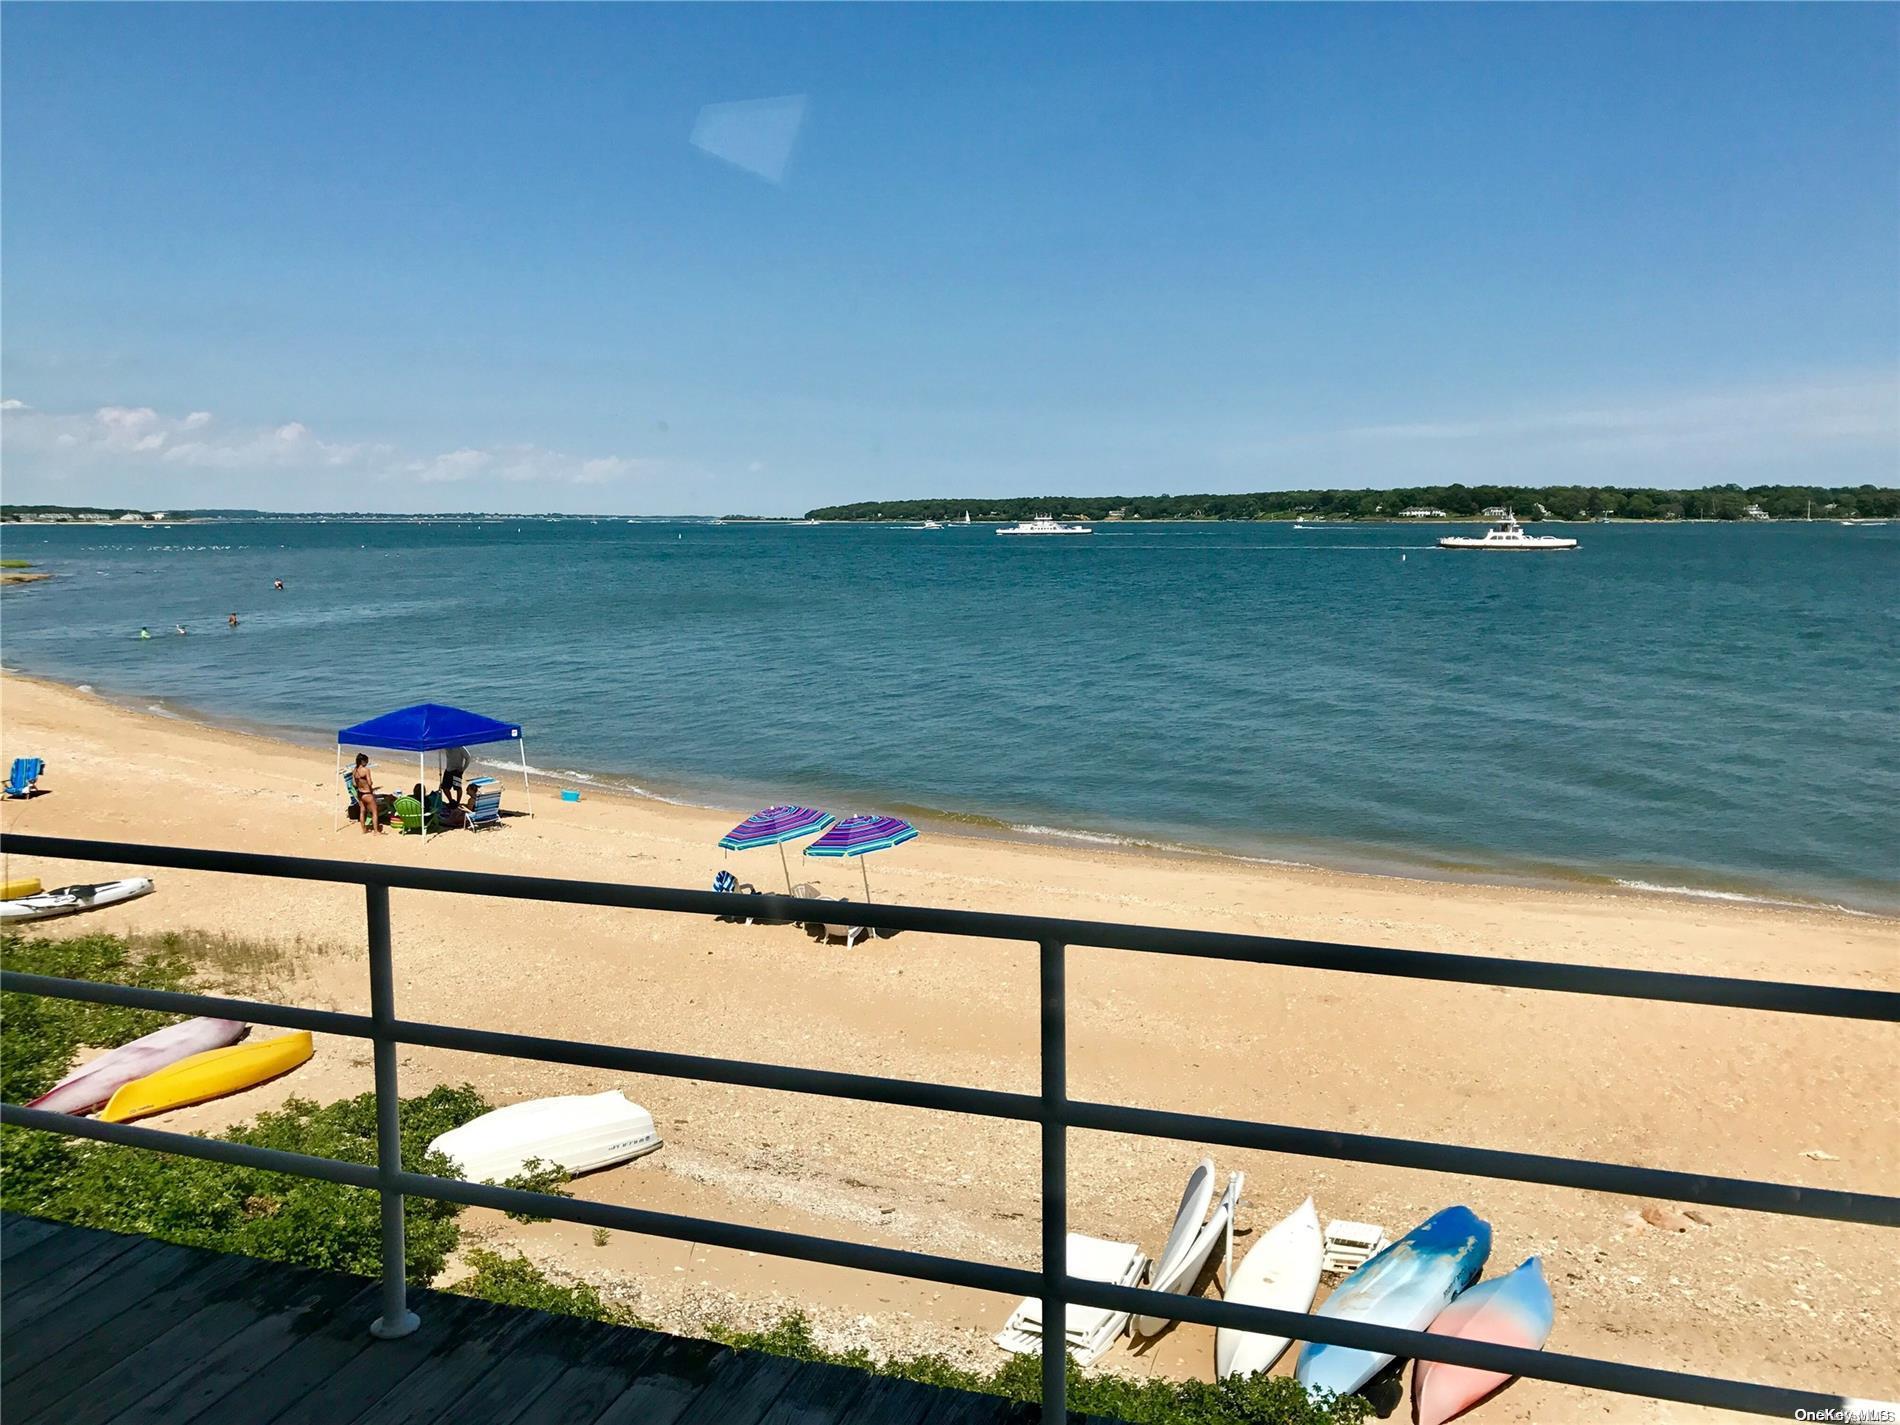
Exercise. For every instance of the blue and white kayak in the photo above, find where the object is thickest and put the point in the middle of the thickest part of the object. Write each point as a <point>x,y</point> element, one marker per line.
<point>1406,1286</point>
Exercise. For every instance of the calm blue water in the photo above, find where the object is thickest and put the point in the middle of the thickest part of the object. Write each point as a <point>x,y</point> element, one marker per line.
<point>1709,706</point>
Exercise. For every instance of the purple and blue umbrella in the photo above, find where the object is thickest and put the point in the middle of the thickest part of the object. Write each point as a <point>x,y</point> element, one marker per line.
<point>774,827</point>
<point>860,836</point>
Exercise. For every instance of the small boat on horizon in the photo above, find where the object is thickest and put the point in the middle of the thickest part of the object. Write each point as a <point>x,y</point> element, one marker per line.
<point>1043,524</point>
<point>1508,534</point>
<point>1864,523</point>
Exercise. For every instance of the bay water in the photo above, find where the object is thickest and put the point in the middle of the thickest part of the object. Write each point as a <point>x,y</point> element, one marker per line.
<point>1708,707</point>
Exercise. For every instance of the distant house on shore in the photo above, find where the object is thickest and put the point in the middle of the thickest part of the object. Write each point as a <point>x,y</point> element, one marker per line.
<point>1754,512</point>
<point>1420,512</point>
<point>1495,512</point>
<point>131,517</point>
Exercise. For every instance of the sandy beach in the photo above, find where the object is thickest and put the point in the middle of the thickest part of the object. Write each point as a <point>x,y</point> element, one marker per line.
<point>1763,1096</point>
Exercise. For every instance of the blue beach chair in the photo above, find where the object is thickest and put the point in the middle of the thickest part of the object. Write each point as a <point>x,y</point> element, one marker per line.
<point>484,804</point>
<point>26,771</point>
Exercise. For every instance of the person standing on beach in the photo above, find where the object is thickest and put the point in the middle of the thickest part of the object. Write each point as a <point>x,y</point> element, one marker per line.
<point>365,795</point>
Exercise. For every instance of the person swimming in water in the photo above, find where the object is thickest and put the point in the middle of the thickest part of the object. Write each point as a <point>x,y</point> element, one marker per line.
<point>178,628</point>
<point>145,633</point>
<point>278,584</point>
<point>232,620</point>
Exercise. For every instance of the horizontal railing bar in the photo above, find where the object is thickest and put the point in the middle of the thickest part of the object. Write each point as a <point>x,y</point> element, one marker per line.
<point>1588,1371</point>
<point>953,1271</point>
<point>1727,992</point>
<point>1788,1199</point>
<point>216,1150</point>
<point>786,1078</point>
<point>868,1088</point>
<point>318,1021</point>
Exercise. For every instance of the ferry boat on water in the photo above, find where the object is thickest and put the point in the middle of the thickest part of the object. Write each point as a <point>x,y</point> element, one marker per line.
<point>1042,524</point>
<point>1507,534</point>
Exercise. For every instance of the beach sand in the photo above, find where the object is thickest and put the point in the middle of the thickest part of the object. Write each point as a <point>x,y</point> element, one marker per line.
<point>1786,1300</point>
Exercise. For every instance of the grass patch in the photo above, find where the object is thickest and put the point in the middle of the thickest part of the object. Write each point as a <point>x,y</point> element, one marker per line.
<point>234,962</point>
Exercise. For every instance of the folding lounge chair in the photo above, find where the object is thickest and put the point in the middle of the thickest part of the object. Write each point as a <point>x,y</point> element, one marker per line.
<point>850,934</point>
<point>484,804</point>
<point>26,771</point>
<point>727,884</point>
<point>1091,1330</point>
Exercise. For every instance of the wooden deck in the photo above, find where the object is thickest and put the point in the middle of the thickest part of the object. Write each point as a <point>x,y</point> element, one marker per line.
<point>98,1327</point>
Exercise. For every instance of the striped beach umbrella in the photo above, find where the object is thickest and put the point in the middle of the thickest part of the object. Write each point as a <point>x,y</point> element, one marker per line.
<point>774,827</point>
<point>860,836</point>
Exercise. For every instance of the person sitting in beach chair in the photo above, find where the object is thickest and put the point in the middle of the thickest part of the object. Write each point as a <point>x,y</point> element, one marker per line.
<point>23,779</point>
<point>484,804</point>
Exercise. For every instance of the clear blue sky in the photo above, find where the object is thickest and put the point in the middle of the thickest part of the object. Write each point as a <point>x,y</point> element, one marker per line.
<point>448,258</point>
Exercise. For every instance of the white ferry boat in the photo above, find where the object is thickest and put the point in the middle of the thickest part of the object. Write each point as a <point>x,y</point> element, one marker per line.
<point>1042,524</point>
<point>1507,534</point>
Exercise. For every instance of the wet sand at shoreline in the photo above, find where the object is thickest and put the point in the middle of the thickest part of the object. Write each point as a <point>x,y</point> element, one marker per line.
<point>1780,1299</point>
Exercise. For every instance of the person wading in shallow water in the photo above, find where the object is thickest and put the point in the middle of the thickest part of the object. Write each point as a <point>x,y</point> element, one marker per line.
<point>365,795</point>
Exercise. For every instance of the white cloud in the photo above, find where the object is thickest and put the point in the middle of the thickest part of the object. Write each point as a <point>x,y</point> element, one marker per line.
<point>1848,422</point>
<point>118,437</point>
<point>12,405</point>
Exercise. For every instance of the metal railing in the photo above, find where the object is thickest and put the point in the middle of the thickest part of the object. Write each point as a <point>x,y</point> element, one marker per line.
<point>1051,1108</point>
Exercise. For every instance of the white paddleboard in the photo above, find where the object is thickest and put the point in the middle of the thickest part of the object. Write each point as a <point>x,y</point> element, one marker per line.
<point>75,900</point>
<point>1281,1272</point>
<point>1183,1271</point>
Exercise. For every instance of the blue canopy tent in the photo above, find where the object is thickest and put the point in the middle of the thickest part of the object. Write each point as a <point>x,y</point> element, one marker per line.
<point>431,727</point>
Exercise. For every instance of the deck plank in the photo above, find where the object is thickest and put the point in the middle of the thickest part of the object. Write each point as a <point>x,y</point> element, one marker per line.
<point>586,1388</point>
<point>101,1329</point>
<point>82,1337</point>
<point>20,1232</point>
<point>151,1363</point>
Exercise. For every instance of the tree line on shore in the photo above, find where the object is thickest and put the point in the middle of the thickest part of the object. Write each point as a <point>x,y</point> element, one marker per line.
<point>1529,502</point>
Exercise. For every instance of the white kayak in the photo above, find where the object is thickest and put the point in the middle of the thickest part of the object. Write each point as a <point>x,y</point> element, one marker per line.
<point>1187,1254</point>
<point>577,1133</point>
<point>91,1085</point>
<point>75,900</point>
<point>1280,1272</point>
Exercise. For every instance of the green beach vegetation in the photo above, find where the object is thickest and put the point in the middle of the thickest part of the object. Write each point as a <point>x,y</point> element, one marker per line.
<point>279,1217</point>
<point>1560,502</point>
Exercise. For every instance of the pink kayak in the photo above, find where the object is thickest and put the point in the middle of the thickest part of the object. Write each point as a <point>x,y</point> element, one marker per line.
<point>1511,1310</point>
<point>89,1087</point>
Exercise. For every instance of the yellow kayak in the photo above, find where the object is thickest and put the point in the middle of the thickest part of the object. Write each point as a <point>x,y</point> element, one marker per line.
<point>212,1074</point>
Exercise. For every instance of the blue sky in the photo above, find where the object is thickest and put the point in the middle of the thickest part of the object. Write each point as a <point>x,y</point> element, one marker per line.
<point>430,257</point>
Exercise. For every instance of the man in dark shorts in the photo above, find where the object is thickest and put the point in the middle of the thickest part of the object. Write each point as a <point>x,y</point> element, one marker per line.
<point>454,763</point>
<point>365,788</point>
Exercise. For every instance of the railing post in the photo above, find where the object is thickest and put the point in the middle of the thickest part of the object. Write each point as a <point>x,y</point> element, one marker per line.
<point>1055,1186</point>
<point>397,1319</point>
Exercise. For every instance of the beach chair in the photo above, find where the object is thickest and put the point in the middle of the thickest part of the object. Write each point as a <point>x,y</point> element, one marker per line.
<point>727,884</point>
<point>409,816</point>
<point>850,934</point>
<point>1090,1330</point>
<point>20,782</point>
<point>483,807</point>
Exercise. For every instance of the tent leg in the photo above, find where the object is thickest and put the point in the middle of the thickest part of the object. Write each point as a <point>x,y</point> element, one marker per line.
<point>337,822</point>
<point>422,785</point>
<point>526,791</point>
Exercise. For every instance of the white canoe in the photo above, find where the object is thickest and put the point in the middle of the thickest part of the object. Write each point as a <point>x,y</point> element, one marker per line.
<point>91,1085</point>
<point>1186,1255</point>
<point>1280,1272</point>
<point>75,900</point>
<point>576,1133</point>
